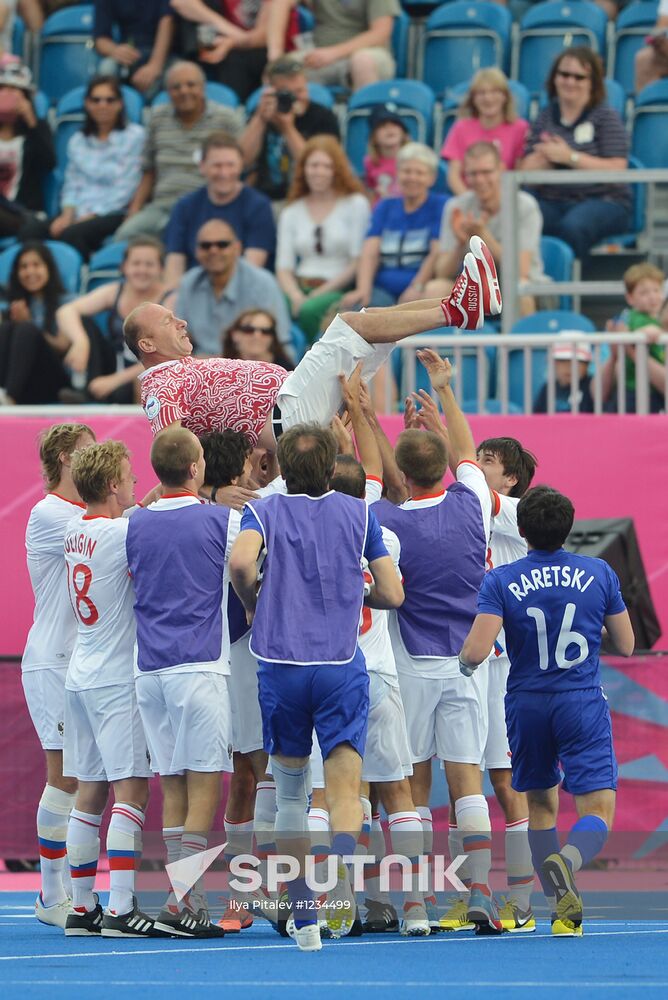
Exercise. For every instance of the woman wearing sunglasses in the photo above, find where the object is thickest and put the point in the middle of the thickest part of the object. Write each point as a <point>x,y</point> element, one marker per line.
<point>253,337</point>
<point>103,170</point>
<point>577,130</point>
<point>320,233</point>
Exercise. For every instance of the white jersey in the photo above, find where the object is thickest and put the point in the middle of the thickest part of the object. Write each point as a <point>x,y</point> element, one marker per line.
<point>102,596</point>
<point>374,637</point>
<point>53,632</point>
<point>506,544</point>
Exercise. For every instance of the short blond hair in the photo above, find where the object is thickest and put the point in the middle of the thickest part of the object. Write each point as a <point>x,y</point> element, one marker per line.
<point>642,272</point>
<point>95,468</point>
<point>493,77</point>
<point>54,442</point>
<point>418,151</point>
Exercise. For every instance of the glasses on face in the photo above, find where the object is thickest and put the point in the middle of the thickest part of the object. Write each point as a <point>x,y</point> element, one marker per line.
<point>565,75</point>
<point>317,233</point>
<point>103,100</point>
<point>214,244</point>
<point>269,331</point>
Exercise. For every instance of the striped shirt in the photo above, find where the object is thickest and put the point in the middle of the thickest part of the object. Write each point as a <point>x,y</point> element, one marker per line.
<point>597,132</point>
<point>101,176</point>
<point>172,152</point>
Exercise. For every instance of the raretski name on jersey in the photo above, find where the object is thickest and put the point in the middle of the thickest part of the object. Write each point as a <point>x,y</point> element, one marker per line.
<point>549,576</point>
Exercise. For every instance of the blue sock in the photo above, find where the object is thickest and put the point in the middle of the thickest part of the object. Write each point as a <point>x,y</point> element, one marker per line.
<point>301,900</point>
<point>343,843</point>
<point>542,844</point>
<point>585,841</point>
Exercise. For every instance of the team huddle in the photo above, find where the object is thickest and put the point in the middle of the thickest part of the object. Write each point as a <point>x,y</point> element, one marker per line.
<point>319,616</point>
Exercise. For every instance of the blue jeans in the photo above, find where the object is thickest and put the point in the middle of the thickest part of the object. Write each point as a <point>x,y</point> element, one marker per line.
<point>583,224</point>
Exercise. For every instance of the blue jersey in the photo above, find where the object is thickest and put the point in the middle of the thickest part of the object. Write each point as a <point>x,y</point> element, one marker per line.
<point>553,606</point>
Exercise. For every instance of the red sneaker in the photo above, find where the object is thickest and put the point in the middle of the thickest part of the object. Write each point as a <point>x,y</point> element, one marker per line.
<point>491,293</point>
<point>236,918</point>
<point>464,307</point>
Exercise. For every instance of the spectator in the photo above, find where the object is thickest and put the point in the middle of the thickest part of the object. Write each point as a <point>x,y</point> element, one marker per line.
<point>29,10</point>
<point>145,31</point>
<point>651,62</point>
<point>402,239</point>
<point>387,134</point>
<point>277,132</point>
<point>102,172</point>
<point>113,374</point>
<point>644,296</point>
<point>26,153</point>
<point>34,356</point>
<point>579,131</point>
<point>231,39</point>
<point>320,233</point>
<point>224,196</point>
<point>477,213</point>
<point>352,42</point>
<point>176,132</point>
<point>487,114</point>
<point>212,294</point>
<point>252,336</point>
<point>562,355</point>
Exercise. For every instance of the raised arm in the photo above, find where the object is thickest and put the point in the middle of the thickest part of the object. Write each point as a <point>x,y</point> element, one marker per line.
<point>462,445</point>
<point>392,478</point>
<point>367,447</point>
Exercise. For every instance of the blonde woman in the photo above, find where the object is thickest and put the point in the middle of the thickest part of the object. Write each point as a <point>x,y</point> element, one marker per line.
<point>487,114</point>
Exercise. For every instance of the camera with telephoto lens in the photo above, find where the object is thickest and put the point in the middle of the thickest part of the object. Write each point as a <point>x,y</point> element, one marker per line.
<point>284,101</point>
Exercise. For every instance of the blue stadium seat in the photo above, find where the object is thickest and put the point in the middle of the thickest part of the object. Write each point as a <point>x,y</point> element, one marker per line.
<point>68,259</point>
<point>633,24</point>
<point>649,137</point>
<point>548,28</point>
<point>318,93</point>
<point>638,215</point>
<point>40,103</point>
<point>305,19</point>
<point>400,30</point>
<point>67,55</point>
<point>490,408</point>
<point>70,115</point>
<point>549,322</point>
<point>104,266</point>
<point>217,92</point>
<point>465,383</point>
<point>558,261</point>
<point>298,341</point>
<point>460,38</point>
<point>413,101</point>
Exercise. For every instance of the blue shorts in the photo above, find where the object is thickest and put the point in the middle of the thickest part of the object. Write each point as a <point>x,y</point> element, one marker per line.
<point>572,727</point>
<point>333,699</point>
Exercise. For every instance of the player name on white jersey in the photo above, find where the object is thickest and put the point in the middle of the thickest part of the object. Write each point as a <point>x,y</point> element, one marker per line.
<point>549,576</point>
<point>80,544</point>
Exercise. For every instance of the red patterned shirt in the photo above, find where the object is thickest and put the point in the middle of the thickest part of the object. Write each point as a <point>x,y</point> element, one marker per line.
<point>211,394</point>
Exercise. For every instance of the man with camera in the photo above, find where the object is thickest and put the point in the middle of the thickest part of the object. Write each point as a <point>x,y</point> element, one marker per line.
<point>283,120</point>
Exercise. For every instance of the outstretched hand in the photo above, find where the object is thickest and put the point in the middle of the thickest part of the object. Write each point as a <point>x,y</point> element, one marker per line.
<point>350,389</point>
<point>344,441</point>
<point>438,369</point>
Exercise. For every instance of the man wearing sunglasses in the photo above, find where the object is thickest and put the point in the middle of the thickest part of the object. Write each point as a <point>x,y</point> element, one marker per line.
<point>261,399</point>
<point>225,283</point>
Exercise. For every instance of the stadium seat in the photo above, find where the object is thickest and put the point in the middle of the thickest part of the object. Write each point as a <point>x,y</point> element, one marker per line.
<point>465,382</point>
<point>70,115</point>
<point>412,100</point>
<point>633,24</point>
<point>318,93</point>
<point>447,112</point>
<point>67,56</point>
<point>216,92</point>
<point>649,137</point>
<point>400,30</point>
<point>68,259</point>
<point>638,216</point>
<point>104,266</point>
<point>549,322</point>
<point>41,104</point>
<point>298,341</point>
<point>460,38</point>
<point>558,261</point>
<point>546,29</point>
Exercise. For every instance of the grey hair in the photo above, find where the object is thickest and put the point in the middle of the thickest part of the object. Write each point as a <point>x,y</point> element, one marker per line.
<point>418,151</point>
<point>180,65</point>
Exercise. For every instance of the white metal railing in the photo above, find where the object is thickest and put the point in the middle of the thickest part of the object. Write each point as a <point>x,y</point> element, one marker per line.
<point>512,181</point>
<point>458,347</point>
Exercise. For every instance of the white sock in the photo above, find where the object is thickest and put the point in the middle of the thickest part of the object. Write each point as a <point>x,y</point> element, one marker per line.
<point>171,836</point>
<point>456,849</point>
<point>194,843</point>
<point>472,814</point>
<point>263,821</point>
<point>321,841</point>
<point>124,844</point>
<point>407,839</point>
<point>378,849</point>
<point>53,813</point>
<point>83,849</point>
<point>424,812</point>
<point>239,841</point>
<point>519,866</point>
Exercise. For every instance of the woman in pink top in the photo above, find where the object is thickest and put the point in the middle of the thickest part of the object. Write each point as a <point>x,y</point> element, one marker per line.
<point>487,114</point>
